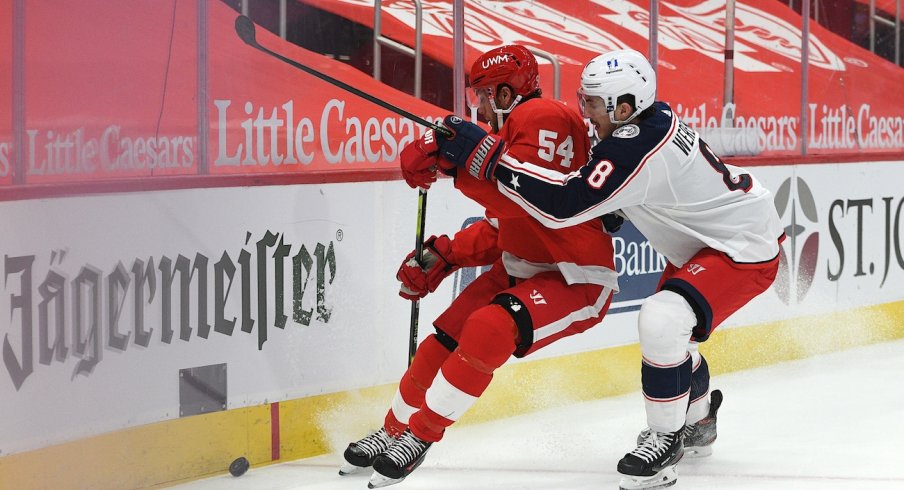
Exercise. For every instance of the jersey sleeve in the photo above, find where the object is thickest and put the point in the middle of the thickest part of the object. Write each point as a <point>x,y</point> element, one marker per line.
<point>487,195</point>
<point>544,132</point>
<point>560,200</point>
<point>477,244</point>
<point>616,176</point>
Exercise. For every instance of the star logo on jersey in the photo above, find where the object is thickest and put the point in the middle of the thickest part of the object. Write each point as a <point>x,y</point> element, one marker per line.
<point>537,297</point>
<point>626,131</point>
<point>514,184</point>
<point>695,268</point>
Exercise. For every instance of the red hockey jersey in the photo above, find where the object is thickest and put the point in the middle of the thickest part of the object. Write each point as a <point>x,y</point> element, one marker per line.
<point>547,131</point>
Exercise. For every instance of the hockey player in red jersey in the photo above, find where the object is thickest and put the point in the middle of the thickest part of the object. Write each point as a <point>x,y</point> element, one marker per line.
<point>543,285</point>
<point>715,223</point>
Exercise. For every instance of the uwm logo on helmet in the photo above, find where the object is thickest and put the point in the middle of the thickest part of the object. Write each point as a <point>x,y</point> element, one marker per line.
<point>495,60</point>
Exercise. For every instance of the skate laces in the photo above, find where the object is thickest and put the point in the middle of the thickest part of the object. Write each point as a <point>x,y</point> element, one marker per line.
<point>406,449</point>
<point>689,430</point>
<point>375,443</point>
<point>654,445</point>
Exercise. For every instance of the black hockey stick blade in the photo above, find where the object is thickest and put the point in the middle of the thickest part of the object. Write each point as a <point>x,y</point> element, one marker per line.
<point>244,27</point>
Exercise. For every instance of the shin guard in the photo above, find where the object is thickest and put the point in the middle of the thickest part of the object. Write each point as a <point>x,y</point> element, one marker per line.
<point>487,341</point>
<point>430,355</point>
<point>665,323</point>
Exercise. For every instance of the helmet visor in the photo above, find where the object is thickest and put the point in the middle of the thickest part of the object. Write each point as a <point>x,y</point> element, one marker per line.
<point>479,100</point>
<point>591,105</point>
<point>582,102</point>
<point>479,96</point>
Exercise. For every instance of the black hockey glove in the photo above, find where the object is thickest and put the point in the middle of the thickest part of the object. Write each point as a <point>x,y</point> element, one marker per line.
<point>612,222</point>
<point>470,148</point>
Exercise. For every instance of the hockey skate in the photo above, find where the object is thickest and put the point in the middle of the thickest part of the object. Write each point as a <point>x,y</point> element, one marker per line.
<point>653,463</point>
<point>361,454</point>
<point>397,462</point>
<point>699,437</point>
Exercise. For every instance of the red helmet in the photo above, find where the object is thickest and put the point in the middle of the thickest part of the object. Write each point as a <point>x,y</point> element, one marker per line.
<point>513,65</point>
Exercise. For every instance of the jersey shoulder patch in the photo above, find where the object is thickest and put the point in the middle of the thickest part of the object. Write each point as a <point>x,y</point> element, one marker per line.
<point>626,131</point>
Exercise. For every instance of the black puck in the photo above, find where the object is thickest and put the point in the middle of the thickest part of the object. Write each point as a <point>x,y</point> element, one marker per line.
<point>239,466</point>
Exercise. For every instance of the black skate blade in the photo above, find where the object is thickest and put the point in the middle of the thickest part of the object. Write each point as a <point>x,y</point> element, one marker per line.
<point>379,481</point>
<point>698,452</point>
<point>349,469</point>
<point>623,486</point>
<point>667,477</point>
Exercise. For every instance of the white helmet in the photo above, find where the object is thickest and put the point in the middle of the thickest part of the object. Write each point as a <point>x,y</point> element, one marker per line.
<point>617,73</point>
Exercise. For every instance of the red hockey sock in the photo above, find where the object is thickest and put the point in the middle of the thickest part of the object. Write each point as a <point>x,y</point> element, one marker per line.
<point>487,341</point>
<point>392,425</point>
<point>428,358</point>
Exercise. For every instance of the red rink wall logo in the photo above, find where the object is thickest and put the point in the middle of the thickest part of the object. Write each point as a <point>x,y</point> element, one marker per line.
<point>491,24</point>
<point>759,35</point>
<point>799,253</point>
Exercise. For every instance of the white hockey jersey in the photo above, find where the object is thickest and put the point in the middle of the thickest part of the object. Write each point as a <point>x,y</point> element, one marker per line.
<point>666,181</point>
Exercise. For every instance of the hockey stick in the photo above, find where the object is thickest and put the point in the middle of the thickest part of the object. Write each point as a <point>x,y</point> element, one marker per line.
<point>418,250</point>
<point>244,27</point>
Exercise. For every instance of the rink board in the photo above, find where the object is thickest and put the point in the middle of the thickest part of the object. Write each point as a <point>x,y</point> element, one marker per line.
<point>91,381</point>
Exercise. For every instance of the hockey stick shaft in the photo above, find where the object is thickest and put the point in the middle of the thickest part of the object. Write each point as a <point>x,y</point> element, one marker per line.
<point>244,27</point>
<point>418,250</point>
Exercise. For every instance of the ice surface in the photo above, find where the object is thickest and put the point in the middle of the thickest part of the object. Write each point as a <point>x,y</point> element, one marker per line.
<point>829,422</point>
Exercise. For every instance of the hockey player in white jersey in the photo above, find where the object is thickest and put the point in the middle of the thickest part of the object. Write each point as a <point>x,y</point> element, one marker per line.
<point>714,222</point>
